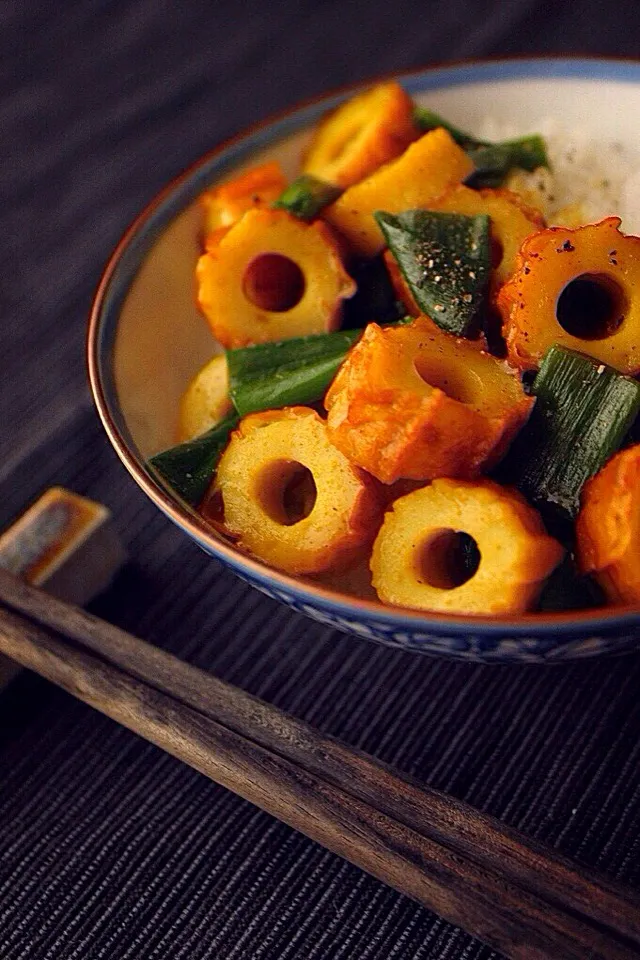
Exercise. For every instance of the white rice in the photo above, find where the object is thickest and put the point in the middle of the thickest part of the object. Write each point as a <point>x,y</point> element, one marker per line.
<point>601,178</point>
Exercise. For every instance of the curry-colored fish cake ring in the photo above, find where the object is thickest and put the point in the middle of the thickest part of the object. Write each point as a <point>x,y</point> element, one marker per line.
<point>338,511</point>
<point>516,555</point>
<point>577,288</point>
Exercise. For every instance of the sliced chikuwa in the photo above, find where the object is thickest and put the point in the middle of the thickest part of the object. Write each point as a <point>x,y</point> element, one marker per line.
<point>414,402</point>
<point>291,497</point>
<point>367,130</point>
<point>577,288</point>
<point>583,411</point>
<point>206,400</point>
<point>446,260</point>
<point>272,276</point>
<point>421,556</point>
<point>418,176</point>
<point>608,527</point>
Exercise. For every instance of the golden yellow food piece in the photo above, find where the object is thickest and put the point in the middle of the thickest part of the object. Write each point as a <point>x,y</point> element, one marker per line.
<point>571,215</point>
<point>206,400</point>
<point>291,497</point>
<point>257,187</point>
<point>416,178</point>
<point>414,402</point>
<point>413,562</point>
<point>360,135</point>
<point>577,288</point>
<point>608,527</point>
<point>512,221</point>
<point>272,276</point>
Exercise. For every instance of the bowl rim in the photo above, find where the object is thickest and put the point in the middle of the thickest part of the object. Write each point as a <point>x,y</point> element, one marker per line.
<point>173,199</point>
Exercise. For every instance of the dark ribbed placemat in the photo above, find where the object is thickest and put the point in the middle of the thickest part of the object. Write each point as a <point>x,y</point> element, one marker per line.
<point>108,847</point>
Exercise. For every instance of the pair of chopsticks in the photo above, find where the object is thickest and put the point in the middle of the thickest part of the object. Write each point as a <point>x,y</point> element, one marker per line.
<point>515,895</point>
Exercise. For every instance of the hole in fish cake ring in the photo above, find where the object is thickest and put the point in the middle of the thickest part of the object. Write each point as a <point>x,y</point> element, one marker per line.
<point>577,288</point>
<point>271,276</point>
<point>414,402</point>
<point>293,499</point>
<point>273,283</point>
<point>462,546</point>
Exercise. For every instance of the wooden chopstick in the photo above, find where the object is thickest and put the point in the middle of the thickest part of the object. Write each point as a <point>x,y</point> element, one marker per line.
<point>520,898</point>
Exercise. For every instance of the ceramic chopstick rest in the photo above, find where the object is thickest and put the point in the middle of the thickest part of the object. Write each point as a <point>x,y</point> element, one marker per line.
<point>65,544</point>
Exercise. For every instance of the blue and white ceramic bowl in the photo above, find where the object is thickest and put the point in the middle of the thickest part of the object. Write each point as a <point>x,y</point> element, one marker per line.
<point>146,340</point>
